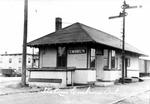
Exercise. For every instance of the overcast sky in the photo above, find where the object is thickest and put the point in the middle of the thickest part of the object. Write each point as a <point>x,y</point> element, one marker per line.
<point>94,13</point>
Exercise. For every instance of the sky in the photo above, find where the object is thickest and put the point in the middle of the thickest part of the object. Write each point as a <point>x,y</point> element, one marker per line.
<point>94,13</point>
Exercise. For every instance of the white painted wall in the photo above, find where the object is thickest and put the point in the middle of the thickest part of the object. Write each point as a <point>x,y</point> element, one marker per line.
<point>144,63</point>
<point>52,75</point>
<point>133,69</point>
<point>77,60</point>
<point>48,57</point>
<point>84,76</point>
<point>148,66</point>
<point>142,66</point>
<point>111,75</point>
<point>79,76</point>
<point>133,73</point>
<point>134,63</point>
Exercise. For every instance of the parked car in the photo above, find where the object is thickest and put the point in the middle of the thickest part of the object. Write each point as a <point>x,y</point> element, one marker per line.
<point>10,73</point>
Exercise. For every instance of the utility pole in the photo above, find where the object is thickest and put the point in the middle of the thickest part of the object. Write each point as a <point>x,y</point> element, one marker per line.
<point>24,51</point>
<point>123,14</point>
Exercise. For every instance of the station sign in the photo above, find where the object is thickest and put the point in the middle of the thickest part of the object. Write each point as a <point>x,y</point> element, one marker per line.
<point>77,51</point>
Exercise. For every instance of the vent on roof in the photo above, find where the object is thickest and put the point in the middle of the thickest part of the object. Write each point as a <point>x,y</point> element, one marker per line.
<point>58,23</point>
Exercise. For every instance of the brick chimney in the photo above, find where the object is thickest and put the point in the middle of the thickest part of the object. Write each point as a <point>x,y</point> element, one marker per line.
<point>58,23</point>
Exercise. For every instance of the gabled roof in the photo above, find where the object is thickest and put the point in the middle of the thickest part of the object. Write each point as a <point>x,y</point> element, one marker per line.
<point>78,32</point>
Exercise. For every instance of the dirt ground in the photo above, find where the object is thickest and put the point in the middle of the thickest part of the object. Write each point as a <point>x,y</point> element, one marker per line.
<point>133,93</point>
<point>143,98</point>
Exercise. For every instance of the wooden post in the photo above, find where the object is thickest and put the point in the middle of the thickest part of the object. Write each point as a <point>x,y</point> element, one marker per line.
<point>123,14</point>
<point>23,78</point>
<point>123,47</point>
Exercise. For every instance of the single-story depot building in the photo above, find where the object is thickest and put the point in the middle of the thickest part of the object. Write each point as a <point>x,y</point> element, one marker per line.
<point>79,54</point>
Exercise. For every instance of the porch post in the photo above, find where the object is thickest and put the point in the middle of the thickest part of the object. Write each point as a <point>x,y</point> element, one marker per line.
<point>109,59</point>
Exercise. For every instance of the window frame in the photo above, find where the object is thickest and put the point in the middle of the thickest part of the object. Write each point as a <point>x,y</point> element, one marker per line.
<point>92,57</point>
<point>128,62</point>
<point>113,59</point>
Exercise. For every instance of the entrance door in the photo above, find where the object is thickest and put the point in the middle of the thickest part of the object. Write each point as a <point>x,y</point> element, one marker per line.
<point>99,66</point>
<point>61,57</point>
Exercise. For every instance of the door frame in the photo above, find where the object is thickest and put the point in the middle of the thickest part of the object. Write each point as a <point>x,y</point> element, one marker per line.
<point>62,59</point>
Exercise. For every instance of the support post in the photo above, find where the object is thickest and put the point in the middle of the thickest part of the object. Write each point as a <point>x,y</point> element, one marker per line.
<point>123,14</point>
<point>123,48</point>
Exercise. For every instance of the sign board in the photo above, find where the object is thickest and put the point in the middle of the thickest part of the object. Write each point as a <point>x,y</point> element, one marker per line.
<point>77,51</point>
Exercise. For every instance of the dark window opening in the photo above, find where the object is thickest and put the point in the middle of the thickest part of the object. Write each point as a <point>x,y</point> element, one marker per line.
<point>127,60</point>
<point>113,54</point>
<point>61,57</point>
<point>92,58</point>
<point>106,61</point>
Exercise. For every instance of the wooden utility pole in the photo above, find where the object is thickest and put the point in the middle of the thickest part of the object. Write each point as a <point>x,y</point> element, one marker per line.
<point>123,14</point>
<point>24,51</point>
<point>123,46</point>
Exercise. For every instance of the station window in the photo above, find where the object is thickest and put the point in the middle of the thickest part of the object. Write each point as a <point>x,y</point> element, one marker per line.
<point>127,60</point>
<point>61,57</point>
<point>113,54</point>
<point>109,59</point>
<point>105,59</point>
<point>92,58</point>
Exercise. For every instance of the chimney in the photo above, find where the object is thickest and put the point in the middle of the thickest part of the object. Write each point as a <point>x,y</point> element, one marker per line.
<point>58,23</point>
